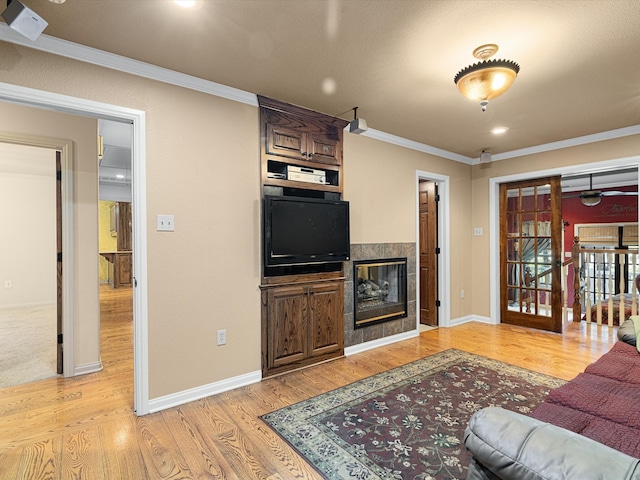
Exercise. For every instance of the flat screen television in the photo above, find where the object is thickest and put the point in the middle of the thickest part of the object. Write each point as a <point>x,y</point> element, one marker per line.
<point>300,231</point>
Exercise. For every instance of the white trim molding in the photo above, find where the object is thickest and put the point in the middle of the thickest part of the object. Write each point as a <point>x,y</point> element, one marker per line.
<point>79,106</point>
<point>420,147</point>
<point>471,318</point>
<point>380,342</point>
<point>571,142</point>
<point>192,394</point>
<point>92,367</point>
<point>444,242</point>
<point>75,51</point>
<point>94,56</point>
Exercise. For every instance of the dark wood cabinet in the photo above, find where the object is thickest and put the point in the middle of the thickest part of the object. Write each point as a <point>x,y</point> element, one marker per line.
<point>303,324</point>
<point>305,141</point>
<point>302,311</point>
<point>120,264</point>
<point>292,136</point>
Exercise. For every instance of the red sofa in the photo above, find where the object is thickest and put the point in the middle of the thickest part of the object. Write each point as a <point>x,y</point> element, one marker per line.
<point>602,403</point>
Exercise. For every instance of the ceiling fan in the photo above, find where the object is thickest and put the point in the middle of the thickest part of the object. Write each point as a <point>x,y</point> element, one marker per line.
<point>591,197</point>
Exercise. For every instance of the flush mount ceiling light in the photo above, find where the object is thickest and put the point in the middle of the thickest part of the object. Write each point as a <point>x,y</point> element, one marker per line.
<point>487,79</point>
<point>185,3</point>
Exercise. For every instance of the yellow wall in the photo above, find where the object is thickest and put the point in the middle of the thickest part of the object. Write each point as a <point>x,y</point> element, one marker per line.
<point>106,242</point>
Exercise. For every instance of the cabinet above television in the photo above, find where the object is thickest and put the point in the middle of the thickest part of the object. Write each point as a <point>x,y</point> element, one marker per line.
<point>300,148</point>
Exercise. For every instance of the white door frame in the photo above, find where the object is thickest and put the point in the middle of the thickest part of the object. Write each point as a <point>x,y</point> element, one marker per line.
<point>88,108</point>
<point>494,215</point>
<point>444,242</point>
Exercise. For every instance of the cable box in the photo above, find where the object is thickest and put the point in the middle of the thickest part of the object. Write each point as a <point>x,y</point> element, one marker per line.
<point>282,176</point>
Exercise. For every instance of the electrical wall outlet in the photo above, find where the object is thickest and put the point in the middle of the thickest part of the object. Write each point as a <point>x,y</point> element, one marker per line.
<point>222,337</point>
<point>8,284</point>
<point>461,293</point>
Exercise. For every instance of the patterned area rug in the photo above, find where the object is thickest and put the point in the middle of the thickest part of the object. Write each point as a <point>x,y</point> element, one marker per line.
<point>406,423</point>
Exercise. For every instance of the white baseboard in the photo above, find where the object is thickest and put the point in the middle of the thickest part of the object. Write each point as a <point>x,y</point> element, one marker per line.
<point>87,368</point>
<point>363,347</point>
<point>186,396</point>
<point>17,306</point>
<point>471,318</point>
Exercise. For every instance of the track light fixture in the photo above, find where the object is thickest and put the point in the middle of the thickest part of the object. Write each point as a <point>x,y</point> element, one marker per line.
<point>24,20</point>
<point>357,125</point>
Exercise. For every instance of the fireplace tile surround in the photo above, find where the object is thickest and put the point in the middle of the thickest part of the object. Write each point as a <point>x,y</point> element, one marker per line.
<point>372,251</point>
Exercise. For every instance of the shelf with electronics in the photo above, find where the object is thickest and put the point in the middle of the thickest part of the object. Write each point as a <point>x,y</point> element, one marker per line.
<point>302,299</point>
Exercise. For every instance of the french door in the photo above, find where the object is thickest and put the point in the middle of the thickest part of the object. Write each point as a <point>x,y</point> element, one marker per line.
<point>530,254</point>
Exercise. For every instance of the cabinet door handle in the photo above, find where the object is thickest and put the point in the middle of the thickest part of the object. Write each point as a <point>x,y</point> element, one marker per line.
<point>310,155</point>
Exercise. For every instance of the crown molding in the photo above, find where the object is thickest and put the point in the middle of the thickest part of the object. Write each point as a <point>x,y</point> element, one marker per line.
<point>101,58</point>
<point>570,142</point>
<point>420,147</point>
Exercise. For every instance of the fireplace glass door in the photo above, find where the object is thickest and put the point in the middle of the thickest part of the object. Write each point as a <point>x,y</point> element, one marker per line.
<point>380,290</point>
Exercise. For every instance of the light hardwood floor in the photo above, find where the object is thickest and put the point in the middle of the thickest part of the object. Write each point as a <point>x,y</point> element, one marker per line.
<point>85,427</point>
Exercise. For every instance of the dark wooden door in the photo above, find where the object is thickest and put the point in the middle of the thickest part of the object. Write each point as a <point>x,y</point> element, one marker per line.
<point>530,254</point>
<point>326,311</point>
<point>428,257</point>
<point>287,328</point>
<point>59,355</point>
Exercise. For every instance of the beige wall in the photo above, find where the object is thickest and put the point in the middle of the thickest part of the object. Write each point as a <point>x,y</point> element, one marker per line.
<point>610,150</point>
<point>203,167</point>
<point>28,239</point>
<point>82,131</point>
<point>380,184</point>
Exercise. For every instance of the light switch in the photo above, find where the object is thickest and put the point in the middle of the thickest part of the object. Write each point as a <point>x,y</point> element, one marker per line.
<point>477,231</point>
<point>165,223</point>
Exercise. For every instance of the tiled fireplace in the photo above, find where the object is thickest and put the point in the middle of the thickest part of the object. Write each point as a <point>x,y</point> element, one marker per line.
<point>372,331</point>
<point>380,290</point>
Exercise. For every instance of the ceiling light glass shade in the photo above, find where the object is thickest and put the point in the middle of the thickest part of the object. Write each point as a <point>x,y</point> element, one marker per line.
<point>590,200</point>
<point>486,80</point>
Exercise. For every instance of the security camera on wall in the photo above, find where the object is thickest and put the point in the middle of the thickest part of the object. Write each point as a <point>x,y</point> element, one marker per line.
<point>24,20</point>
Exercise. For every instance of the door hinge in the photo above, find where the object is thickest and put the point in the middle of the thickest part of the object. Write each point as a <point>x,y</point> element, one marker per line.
<point>437,197</point>
<point>437,250</point>
<point>59,339</point>
<point>59,257</point>
<point>58,176</point>
<point>437,303</point>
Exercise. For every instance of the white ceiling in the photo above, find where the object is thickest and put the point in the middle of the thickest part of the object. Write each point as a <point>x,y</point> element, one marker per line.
<point>394,59</point>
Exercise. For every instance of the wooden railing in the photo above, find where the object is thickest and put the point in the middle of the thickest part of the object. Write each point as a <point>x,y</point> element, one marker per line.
<point>593,276</point>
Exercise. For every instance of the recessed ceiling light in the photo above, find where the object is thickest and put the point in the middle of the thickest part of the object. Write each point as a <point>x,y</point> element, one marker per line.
<point>185,3</point>
<point>57,1</point>
<point>499,130</point>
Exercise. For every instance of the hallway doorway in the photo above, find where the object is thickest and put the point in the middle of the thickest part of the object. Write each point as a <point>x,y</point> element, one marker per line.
<point>30,293</point>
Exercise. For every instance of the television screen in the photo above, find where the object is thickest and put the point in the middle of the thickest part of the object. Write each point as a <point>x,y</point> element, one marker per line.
<point>305,230</point>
